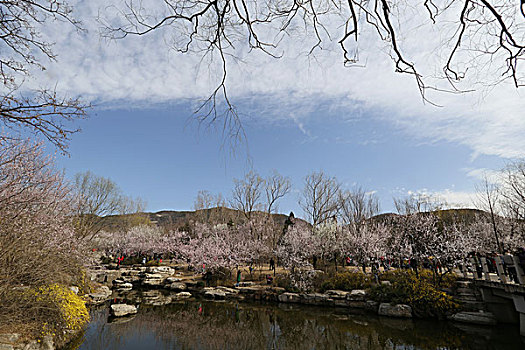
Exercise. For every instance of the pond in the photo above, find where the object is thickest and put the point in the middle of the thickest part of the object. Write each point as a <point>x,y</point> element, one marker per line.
<point>201,324</point>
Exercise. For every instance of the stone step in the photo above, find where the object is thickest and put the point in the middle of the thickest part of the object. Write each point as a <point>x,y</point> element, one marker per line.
<point>473,305</point>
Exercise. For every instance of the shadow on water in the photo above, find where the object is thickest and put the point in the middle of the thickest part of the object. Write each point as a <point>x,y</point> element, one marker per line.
<point>204,325</point>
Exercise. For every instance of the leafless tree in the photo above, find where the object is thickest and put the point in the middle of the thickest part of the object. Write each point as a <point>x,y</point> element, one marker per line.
<point>488,194</point>
<point>246,194</point>
<point>480,31</point>
<point>320,197</point>
<point>276,187</point>
<point>98,197</point>
<point>210,208</point>
<point>356,206</point>
<point>42,112</point>
<point>513,196</point>
<point>418,203</point>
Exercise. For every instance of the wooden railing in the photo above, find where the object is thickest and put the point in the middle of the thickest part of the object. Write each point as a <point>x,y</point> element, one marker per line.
<point>499,268</point>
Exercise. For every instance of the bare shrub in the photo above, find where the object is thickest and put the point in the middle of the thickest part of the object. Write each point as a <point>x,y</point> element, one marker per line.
<point>37,242</point>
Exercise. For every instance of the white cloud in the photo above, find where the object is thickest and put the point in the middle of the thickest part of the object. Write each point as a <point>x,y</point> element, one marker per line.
<point>493,176</point>
<point>139,71</point>
<point>450,198</point>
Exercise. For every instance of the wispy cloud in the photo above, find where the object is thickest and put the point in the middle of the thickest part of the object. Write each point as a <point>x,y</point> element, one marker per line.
<point>143,71</point>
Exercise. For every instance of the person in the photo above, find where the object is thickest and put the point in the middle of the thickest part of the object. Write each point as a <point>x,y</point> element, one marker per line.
<point>119,261</point>
<point>144,261</point>
<point>238,278</point>
<point>272,264</point>
<point>269,279</point>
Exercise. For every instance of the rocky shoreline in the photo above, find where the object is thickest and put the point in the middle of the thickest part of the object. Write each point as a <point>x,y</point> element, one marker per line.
<point>162,285</point>
<point>126,289</point>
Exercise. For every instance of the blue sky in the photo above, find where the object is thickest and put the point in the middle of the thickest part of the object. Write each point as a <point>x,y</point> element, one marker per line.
<point>160,155</point>
<point>366,125</point>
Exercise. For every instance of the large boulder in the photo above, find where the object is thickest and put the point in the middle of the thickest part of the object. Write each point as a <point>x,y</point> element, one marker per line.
<point>398,310</point>
<point>484,318</point>
<point>99,296</point>
<point>119,310</point>
<point>357,295</point>
<point>153,279</point>
<point>213,293</point>
<point>289,298</point>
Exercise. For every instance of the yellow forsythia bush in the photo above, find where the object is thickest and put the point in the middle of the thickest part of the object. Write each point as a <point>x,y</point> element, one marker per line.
<point>70,308</point>
<point>417,291</point>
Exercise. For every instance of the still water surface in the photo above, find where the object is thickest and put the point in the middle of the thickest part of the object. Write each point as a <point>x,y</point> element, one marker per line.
<point>206,325</point>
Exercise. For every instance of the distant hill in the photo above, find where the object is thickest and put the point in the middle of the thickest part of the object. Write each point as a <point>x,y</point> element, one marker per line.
<point>176,220</point>
<point>447,215</point>
<point>180,219</point>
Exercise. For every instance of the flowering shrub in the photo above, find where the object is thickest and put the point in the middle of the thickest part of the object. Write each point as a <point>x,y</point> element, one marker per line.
<point>347,280</point>
<point>418,292</point>
<point>64,309</point>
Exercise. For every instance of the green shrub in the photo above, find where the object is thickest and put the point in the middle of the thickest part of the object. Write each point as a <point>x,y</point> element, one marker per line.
<point>284,281</point>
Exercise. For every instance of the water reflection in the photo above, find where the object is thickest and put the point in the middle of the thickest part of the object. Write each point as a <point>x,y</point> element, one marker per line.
<point>225,325</point>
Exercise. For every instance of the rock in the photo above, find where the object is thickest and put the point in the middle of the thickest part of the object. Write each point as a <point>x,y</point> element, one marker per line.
<point>251,290</point>
<point>357,295</point>
<point>228,291</point>
<point>386,283</point>
<point>317,299</point>
<point>6,347</point>
<point>125,286</point>
<point>246,284</point>
<point>47,343</point>
<point>155,297</point>
<point>484,318</point>
<point>153,279</point>
<point>356,304</point>
<point>163,270</point>
<point>341,302</point>
<point>371,305</point>
<point>100,295</point>
<point>171,280</point>
<point>74,289</point>
<point>337,294</point>
<point>121,283</point>
<point>119,310</point>
<point>177,286</point>
<point>399,310</point>
<point>289,298</point>
<point>214,293</point>
<point>9,338</point>
<point>183,295</point>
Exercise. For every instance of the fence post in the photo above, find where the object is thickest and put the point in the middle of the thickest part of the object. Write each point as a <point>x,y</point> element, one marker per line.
<point>519,270</point>
<point>499,268</point>
<point>463,269</point>
<point>485,268</point>
<point>474,268</point>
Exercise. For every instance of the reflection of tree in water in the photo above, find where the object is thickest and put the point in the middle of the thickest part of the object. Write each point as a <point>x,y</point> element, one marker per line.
<point>258,326</point>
